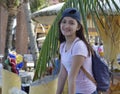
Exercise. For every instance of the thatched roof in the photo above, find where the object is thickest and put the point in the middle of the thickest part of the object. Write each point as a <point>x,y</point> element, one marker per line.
<point>47,15</point>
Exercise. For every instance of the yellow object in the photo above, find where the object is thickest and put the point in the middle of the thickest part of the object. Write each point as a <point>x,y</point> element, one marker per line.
<point>47,85</point>
<point>9,80</point>
<point>19,58</point>
<point>101,54</point>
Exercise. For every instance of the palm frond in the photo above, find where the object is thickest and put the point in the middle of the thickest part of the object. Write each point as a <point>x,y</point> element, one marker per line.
<point>95,8</point>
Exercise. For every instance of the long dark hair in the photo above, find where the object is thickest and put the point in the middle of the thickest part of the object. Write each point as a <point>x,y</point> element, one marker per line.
<point>79,34</point>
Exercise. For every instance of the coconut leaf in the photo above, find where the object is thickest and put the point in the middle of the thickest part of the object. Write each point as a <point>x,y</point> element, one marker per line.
<point>51,44</point>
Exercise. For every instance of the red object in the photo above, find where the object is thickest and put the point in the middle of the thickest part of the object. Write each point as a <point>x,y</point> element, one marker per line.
<point>13,65</point>
<point>12,62</point>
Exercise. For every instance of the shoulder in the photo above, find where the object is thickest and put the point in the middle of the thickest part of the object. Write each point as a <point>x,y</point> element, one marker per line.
<point>61,46</point>
<point>79,44</point>
<point>80,48</point>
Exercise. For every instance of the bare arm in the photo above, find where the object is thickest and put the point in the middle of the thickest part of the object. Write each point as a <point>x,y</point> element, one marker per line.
<point>61,80</point>
<point>77,63</point>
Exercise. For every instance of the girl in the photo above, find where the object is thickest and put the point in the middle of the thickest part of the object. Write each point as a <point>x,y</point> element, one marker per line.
<point>75,52</point>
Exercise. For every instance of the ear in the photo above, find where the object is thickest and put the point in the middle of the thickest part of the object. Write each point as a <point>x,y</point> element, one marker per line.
<point>78,27</point>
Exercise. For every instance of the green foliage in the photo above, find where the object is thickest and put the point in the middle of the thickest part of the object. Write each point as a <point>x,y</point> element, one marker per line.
<point>37,4</point>
<point>13,3</point>
<point>10,3</point>
<point>16,2</point>
<point>51,44</point>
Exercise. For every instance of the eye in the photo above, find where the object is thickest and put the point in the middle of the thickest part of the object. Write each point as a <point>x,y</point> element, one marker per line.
<point>63,21</point>
<point>71,23</point>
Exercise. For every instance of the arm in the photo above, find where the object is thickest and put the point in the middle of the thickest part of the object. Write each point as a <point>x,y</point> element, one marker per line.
<point>77,63</point>
<point>61,79</point>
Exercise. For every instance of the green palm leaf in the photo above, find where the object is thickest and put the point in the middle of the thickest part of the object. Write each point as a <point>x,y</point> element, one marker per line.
<point>51,44</point>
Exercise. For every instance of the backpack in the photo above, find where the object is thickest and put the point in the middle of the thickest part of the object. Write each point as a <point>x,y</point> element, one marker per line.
<point>101,73</point>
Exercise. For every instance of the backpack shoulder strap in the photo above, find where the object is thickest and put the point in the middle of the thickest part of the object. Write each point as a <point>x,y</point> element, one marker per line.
<point>88,75</point>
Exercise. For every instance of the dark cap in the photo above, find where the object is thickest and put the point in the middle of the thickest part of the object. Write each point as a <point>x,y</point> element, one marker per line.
<point>72,12</point>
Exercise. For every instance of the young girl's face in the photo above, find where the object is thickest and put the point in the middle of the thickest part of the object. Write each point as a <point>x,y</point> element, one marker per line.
<point>69,26</point>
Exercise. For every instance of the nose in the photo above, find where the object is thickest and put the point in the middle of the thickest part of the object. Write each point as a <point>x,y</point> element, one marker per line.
<point>66,25</point>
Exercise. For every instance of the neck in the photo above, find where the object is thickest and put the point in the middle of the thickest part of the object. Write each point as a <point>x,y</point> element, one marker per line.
<point>69,40</point>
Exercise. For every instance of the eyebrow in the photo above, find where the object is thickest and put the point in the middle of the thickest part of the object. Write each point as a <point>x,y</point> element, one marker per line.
<point>69,20</point>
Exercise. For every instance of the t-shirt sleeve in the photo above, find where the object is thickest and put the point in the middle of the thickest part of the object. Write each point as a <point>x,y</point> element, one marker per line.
<point>80,48</point>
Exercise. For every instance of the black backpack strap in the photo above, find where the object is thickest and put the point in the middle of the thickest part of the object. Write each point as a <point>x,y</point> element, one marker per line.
<point>84,70</point>
<point>88,75</point>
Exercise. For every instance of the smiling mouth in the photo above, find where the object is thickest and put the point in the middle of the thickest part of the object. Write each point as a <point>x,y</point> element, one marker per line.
<point>67,30</point>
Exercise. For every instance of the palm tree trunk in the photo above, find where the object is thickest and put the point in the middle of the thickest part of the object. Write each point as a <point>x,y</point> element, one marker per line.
<point>32,38</point>
<point>11,7</point>
<point>9,35</point>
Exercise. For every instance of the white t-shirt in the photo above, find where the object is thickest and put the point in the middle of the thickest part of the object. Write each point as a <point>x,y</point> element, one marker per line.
<point>78,47</point>
<point>95,47</point>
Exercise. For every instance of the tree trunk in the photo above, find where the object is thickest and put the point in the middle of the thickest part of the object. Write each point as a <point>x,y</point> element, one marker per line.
<point>32,38</point>
<point>21,42</point>
<point>9,36</point>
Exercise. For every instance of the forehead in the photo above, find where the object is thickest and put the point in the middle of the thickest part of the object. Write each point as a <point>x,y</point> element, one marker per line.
<point>69,19</point>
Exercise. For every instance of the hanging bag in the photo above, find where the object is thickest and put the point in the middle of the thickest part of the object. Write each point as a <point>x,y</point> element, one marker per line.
<point>101,73</point>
